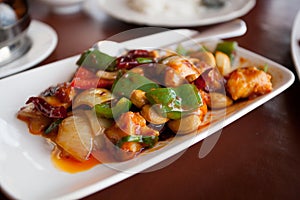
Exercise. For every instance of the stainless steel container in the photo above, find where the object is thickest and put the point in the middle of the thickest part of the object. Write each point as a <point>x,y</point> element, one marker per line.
<point>14,23</point>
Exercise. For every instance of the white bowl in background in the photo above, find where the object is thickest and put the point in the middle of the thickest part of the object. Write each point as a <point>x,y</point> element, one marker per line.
<point>64,6</point>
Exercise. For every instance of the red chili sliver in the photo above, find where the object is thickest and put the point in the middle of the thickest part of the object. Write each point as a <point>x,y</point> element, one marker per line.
<point>84,73</point>
<point>85,79</point>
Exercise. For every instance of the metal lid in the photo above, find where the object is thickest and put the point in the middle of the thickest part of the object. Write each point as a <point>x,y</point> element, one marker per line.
<point>14,20</point>
<point>13,31</point>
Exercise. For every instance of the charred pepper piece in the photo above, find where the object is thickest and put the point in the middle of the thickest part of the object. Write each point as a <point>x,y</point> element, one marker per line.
<point>46,109</point>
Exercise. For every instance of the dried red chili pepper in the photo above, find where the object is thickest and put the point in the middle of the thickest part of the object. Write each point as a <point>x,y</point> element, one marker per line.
<point>61,91</point>
<point>46,109</point>
<point>138,53</point>
<point>134,58</point>
<point>125,62</point>
<point>210,80</point>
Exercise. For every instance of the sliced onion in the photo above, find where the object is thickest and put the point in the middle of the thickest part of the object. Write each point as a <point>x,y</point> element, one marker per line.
<point>92,96</point>
<point>75,136</point>
<point>98,124</point>
<point>223,63</point>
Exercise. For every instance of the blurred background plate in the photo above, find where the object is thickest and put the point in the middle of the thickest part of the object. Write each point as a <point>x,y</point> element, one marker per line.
<point>295,43</point>
<point>232,9</point>
<point>44,41</point>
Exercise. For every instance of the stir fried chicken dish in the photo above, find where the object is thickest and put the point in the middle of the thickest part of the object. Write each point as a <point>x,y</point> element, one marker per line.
<point>114,108</point>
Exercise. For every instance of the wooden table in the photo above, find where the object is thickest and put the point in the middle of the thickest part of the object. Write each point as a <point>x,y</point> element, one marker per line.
<point>256,157</point>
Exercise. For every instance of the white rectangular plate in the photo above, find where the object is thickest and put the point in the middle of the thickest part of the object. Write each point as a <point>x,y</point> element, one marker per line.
<point>26,169</point>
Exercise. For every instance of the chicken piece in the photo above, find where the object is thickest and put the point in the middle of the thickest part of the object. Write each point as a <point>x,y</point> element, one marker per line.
<point>131,134</point>
<point>129,123</point>
<point>248,82</point>
<point>181,68</point>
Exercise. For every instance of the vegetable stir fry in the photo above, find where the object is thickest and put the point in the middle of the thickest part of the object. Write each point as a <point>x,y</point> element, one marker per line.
<point>116,107</point>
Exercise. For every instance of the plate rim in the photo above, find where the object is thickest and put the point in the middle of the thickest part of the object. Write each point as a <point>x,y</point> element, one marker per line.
<point>139,20</point>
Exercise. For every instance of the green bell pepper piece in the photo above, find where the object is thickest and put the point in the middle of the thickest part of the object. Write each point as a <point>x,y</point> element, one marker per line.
<point>175,101</point>
<point>52,126</point>
<point>96,59</point>
<point>189,95</point>
<point>148,141</point>
<point>105,110</point>
<point>228,47</point>
<point>122,106</point>
<point>142,60</point>
<point>165,96</point>
<point>170,104</point>
<point>132,81</point>
<point>181,50</point>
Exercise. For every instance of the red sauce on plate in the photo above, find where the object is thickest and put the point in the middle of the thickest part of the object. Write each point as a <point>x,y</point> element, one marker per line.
<point>71,165</point>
